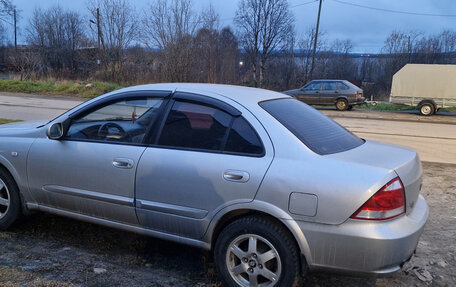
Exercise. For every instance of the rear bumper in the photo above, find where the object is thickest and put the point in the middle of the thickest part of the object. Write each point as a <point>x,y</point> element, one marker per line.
<point>359,101</point>
<point>362,247</point>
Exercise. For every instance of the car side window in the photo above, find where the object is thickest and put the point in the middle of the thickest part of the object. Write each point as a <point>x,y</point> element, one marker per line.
<point>243,138</point>
<point>314,86</point>
<point>342,86</point>
<point>196,126</point>
<point>192,125</point>
<point>329,86</point>
<point>124,121</point>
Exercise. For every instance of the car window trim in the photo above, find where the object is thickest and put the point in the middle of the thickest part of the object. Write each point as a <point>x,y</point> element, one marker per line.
<point>114,98</point>
<point>207,150</point>
<point>208,101</point>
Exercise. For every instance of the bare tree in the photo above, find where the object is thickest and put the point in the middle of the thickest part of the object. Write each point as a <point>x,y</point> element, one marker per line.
<point>210,20</point>
<point>436,49</point>
<point>398,51</point>
<point>263,27</point>
<point>305,45</point>
<point>26,61</point>
<point>228,69</point>
<point>7,9</point>
<point>56,34</point>
<point>170,27</point>
<point>340,64</point>
<point>118,29</point>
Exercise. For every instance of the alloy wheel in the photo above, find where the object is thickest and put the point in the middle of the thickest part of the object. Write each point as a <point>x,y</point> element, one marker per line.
<point>4,199</point>
<point>252,260</point>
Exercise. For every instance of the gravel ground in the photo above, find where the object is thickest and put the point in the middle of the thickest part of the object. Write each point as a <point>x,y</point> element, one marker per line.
<point>46,250</point>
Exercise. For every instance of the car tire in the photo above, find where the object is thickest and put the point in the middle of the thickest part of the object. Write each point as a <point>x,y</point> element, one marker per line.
<point>427,109</point>
<point>341,104</point>
<point>255,249</point>
<point>10,203</point>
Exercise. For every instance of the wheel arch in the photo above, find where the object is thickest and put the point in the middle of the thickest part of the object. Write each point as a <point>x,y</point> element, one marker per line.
<point>341,97</point>
<point>262,209</point>
<point>8,167</point>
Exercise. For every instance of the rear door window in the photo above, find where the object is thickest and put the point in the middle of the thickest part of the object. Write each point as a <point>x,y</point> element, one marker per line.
<point>329,86</point>
<point>318,132</point>
<point>243,138</point>
<point>193,125</point>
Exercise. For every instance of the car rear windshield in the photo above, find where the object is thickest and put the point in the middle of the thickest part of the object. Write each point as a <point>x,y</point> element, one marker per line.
<point>320,133</point>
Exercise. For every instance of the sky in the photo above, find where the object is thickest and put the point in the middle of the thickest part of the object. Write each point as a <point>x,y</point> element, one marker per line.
<point>367,28</point>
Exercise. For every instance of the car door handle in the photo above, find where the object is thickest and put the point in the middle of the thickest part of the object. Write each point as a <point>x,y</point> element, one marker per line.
<point>122,163</point>
<point>236,175</point>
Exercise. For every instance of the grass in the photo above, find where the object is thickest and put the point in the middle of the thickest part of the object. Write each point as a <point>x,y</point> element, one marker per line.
<point>386,107</point>
<point>51,88</point>
<point>5,121</point>
<point>393,107</point>
<point>451,109</point>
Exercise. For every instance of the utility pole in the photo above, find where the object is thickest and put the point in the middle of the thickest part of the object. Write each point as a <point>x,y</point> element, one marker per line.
<point>409,49</point>
<point>98,27</point>
<point>315,40</point>
<point>15,30</point>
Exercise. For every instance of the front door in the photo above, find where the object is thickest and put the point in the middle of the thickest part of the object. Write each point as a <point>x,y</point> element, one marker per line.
<point>311,93</point>
<point>92,170</point>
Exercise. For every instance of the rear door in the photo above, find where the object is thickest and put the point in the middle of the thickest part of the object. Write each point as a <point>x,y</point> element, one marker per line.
<point>207,156</point>
<point>329,93</point>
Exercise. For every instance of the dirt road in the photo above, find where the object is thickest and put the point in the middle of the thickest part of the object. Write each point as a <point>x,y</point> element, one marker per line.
<point>45,250</point>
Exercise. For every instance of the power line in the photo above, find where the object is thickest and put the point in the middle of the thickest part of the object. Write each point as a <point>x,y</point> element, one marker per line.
<point>394,11</point>
<point>302,4</point>
<point>293,6</point>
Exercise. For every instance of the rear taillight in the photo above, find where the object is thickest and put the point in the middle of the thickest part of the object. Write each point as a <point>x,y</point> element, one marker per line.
<point>358,95</point>
<point>387,203</point>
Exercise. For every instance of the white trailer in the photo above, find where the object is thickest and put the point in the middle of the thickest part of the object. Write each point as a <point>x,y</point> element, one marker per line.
<point>429,87</point>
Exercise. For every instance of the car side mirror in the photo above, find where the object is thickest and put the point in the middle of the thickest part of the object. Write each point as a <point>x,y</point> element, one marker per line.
<point>58,130</point>
<point>55,131</point>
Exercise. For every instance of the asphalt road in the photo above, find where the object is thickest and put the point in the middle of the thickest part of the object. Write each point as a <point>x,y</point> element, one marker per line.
<point>435,142</point>
<point>433,137</point>
<point>15,106</point>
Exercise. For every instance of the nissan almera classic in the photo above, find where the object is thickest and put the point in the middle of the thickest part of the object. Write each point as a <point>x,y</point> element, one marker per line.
<point>270,185</point>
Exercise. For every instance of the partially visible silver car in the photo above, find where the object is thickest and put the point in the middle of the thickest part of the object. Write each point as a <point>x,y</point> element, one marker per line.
<point>341,93</point>
<point>270,185</point>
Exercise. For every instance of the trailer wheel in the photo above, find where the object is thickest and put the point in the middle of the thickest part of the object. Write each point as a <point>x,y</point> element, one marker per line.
<point>427,109</point>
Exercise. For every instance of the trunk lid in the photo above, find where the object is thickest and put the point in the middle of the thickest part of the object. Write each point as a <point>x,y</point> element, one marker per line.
<point>404,161</point>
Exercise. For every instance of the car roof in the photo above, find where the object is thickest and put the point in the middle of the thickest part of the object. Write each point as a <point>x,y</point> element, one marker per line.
<point>332,80</point>
<point>240,94</point>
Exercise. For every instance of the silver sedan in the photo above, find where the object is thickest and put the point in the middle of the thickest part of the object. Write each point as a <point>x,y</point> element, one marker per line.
<point>270,185</point>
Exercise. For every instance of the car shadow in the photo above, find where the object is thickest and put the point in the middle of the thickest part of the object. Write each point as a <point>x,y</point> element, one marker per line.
<point>131,257</point>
